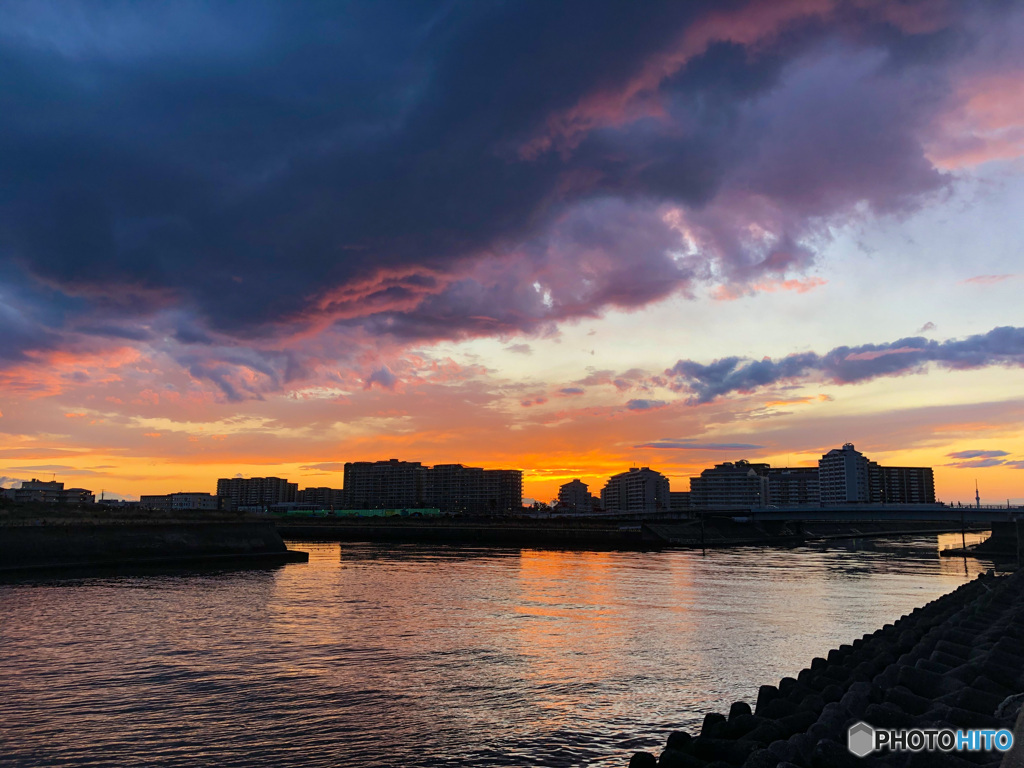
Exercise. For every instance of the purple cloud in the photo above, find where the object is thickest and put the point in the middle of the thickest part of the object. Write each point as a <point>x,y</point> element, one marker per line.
<point>977,463</point>
<point>846,365</point>
<point>571,391</point>
<point>645,405</point>
<point>393,194</point>
<point>383,377</point>
<point>693,445</point>
<point>977,454</point>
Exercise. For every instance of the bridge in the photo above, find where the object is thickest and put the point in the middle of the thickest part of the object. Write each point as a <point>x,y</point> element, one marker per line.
<point>853,513</point>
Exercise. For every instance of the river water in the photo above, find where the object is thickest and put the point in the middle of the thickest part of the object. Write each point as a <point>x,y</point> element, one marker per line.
<point>374,655</point>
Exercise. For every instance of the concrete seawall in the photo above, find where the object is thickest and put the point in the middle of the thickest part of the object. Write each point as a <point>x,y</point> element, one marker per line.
<point>485,533</point>
<point>57,544</point>
<point>590,533</point>
<point>957,662</point>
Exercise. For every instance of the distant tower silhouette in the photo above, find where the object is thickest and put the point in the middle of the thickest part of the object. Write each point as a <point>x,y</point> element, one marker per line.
<point>977,496</point>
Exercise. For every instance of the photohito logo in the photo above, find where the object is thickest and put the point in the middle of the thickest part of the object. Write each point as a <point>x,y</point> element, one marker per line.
<point>863,739</point>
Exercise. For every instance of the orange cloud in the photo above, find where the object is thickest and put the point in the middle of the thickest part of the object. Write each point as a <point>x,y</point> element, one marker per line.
<point>733,292</point>
<point>50,373</point>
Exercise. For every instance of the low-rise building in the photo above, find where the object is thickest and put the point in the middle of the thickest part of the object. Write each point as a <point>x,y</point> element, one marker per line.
<point>49,492</point>
<point>182,500</point>
<point>679,501</point>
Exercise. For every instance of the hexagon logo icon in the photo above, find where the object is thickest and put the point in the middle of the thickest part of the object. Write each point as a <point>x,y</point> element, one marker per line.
<point>860,739</point>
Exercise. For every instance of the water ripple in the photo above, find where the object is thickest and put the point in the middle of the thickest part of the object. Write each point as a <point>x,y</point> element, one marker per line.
<point>415,656</point>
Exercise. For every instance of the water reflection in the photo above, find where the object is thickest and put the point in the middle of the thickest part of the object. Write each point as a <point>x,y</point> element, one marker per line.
<point>425,656</point>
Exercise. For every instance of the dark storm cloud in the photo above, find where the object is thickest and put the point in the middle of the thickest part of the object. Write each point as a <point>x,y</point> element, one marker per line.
<point>454,169</point>
<point>845,365</point>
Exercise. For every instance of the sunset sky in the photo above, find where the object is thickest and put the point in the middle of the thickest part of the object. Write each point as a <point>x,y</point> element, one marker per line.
<point>269,238</point>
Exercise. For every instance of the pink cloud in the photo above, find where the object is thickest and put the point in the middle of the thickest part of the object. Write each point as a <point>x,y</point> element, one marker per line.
<point>736,291</point>
<point>984,122</point>
<point>988,279</point>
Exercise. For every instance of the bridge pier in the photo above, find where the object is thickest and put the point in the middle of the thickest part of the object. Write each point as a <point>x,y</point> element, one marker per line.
<point>1020,542</point>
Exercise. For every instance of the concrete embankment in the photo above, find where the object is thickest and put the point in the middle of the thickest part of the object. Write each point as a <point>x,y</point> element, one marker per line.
<point>485,532</point>
<point>571,533</point>
<point>957,662</point>
<point>54,543</point>
<point>716,531</point>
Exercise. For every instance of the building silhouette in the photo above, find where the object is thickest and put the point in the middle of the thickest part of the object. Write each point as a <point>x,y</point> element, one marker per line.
<point>731,484</point>
<point>180,501</point>
<point>255,491</point>
<point>459,490</point>
<point>323,498</point>
<point>575,497</point>
<point>907,485</point>
<point>791,487</point>
<point>390,484</point>
<point>49,492</point>
<point>452,488</point>
<point>638,491</point>
<point>844,476</point>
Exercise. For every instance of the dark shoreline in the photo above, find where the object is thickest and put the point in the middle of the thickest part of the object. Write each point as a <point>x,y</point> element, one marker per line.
<point>56,544</point>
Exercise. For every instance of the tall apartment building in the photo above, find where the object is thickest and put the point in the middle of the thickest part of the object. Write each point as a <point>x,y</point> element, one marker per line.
<point>505,486</point>
<point>739,484</point>
<point>789,487</point>
<point>574,497</point>
<point>638,491</point>
<point>452,488</point>
<point>390,484</point>
<point>256,491</point>
<point>325,498</point>
<point>459,490</point>
<point>907,485</point>
<point>844,477</point>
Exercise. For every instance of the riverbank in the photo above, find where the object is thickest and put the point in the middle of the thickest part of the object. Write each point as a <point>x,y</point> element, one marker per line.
<point>49,543</point>
<point>954,663</point>
<point>589,533</point>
